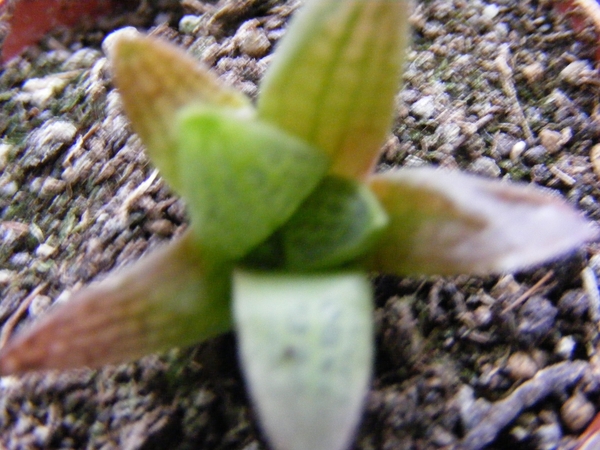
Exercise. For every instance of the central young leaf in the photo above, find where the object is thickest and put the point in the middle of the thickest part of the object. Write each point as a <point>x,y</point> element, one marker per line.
<point>242,178</point>
<point>339,222</point>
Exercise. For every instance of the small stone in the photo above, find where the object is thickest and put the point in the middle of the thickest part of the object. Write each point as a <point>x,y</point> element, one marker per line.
<point>503,144</point>
<point>565,347</point>
<point>64,296</point>
<point>391,148</point>
<point>409,95</point>
<point>588,203</point>
<point>577,412</point>
<point>450,133</point>
<point>594,264</point>
<point>483,316</point>
<point>595,159</point>
<point>519,433</point>
<point>161,227</point>
<point>490,11</point>
<point>442,438</point>
<point>577,72</point>
<point>554,141</point>
<point>8,382</point>
<point>189,23</point>
<point>39,304</point>
<point>424,107</point>
<point>533,72</point>
<point>574,303</point>
<point>35,185</point>
<point>548,436</point>
<point>521,366</point>
<point>536,320</point>
<point>484,165</point>
<point>109,41</point>
<point>471,410</point>
<point>5,151</point>
<point>506,288</point>
<point>517,151</point>
<point>42,435</point>
<point>502,29</point>
<point>6,276</point>
<point>535,155</point>
<point>14,233</point>
<point>81,59</point>
<point>45,251</point>
<point>38,91</point>
<point>46,142</point>
<point>51,186</point>
<point>414,161</point>
<point>20,259</point>
<point>9,188</point>
<point>36,232</point>
<point>252,39</point>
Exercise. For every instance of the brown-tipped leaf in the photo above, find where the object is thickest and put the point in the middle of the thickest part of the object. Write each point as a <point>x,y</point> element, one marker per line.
<point>450,223</point>
<point>155,80</point>
<point>334,76</point>
<point>169,298</point>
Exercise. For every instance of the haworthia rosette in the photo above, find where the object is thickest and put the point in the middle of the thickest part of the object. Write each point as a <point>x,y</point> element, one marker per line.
<point>444,222</point>
<point>306,345</point>
<point>167,299</point>
<point>334,77</point>
<point>243,178</point>
<point>157,79</point>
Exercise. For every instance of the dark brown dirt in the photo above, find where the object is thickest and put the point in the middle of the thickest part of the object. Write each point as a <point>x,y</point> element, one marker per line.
<point>504,89</point>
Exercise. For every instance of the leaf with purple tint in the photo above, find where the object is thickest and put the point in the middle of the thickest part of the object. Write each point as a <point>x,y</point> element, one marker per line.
<point>166,299</point>
<point>449,223</point>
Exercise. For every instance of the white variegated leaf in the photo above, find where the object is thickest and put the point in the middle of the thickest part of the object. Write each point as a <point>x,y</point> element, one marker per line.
<point>306,344</point>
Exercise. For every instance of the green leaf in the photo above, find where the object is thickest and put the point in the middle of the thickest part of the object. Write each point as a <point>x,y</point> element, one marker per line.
<point>450,223</point>
<point>241,178</point>
<point>334,78</point>
<point>306,345</point>
<point>156,79</point>
<point>167,299</point>
<point>340,221</point>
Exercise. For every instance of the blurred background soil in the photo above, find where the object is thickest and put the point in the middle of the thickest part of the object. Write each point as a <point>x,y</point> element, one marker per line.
<point>502,88</point>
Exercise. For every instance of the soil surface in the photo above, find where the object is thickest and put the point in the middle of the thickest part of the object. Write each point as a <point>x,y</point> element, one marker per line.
<point>502,88</point>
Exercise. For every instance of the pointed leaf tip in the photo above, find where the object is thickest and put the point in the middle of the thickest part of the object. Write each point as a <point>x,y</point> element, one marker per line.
<point>306,345</point>
<point>334,78</point>
<point>449,223</point>
<point>156,79</point>
<point>169,298</point>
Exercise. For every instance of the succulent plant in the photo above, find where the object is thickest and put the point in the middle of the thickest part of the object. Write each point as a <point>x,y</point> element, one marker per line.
<point>287,220</point>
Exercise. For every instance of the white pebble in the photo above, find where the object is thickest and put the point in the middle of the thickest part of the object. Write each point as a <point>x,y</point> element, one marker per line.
<point>189,23</point>
<point>44,251</point>
<point>5,151</point>
<point>565,346</point>
<point>490,11</point>
<point>424,107</point>
<point>109,41</point>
